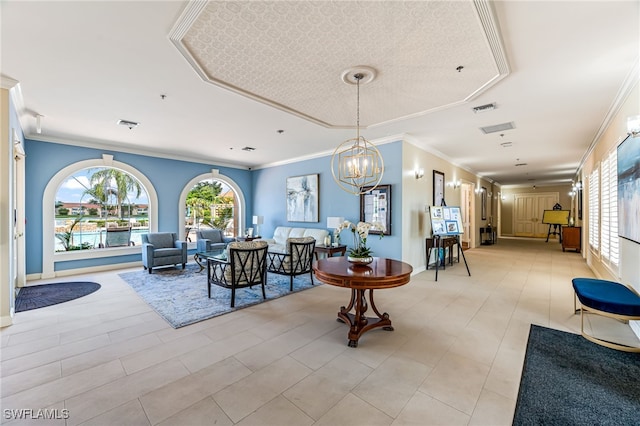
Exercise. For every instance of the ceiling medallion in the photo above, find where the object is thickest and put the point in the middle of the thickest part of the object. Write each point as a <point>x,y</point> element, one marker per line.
<point>356,163</point>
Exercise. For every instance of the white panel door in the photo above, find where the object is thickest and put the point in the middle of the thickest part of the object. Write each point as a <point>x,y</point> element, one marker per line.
<point>528,213</point>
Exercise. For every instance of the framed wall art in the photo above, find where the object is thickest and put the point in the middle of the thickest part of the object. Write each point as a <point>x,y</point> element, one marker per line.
<point>438,188</point>
<point>302,198</point>
<point>375,206</point>
<point>629,189</point>
<point>483,198</point>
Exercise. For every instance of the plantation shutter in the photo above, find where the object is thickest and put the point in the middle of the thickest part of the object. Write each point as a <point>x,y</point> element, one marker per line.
<point>594,213</point>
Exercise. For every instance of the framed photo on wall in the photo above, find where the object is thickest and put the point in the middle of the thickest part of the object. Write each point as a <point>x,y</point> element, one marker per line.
<point>375,206</point>
<point>483,195</point>
<point>438,188</point>
<point>302,198</point>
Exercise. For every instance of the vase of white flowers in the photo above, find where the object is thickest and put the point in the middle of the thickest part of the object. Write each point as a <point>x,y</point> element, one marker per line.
<point>360,254</point>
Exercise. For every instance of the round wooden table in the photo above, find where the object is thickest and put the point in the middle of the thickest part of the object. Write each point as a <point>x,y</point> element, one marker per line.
<point>381,273</point>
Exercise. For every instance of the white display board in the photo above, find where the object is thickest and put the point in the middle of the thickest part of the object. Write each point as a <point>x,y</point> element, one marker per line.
<point>446,220</point>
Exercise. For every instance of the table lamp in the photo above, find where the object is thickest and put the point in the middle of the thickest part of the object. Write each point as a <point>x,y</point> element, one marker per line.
<point>258,220</point>
<point>332,223</point>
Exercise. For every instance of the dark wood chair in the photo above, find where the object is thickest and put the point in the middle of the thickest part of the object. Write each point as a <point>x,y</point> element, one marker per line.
<point>297,260</point>
<point>244,266</point>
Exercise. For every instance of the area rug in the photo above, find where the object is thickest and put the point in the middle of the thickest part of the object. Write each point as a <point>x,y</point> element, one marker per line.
<point>568,380</point>
<point>180,296</point>
<point>39,296</point>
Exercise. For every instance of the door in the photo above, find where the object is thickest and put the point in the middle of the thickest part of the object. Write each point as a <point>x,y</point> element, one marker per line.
<point>528,210</point>
<point>467,209</point>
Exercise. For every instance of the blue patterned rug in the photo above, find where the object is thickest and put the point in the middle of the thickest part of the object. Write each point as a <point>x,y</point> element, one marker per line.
<point>180,296</point>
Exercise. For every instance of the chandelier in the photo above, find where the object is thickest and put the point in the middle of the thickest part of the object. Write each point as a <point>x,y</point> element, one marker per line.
<point>356,163</point>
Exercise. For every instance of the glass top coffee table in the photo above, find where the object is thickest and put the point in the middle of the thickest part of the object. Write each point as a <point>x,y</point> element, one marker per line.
<point>202,256</point>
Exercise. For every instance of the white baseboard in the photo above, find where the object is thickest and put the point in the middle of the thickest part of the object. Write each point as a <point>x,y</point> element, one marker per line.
<point>87,270</point>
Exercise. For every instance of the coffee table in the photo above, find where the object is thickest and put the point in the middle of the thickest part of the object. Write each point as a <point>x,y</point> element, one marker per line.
<point>381,273</point>
<point>202,256</point>
<point>329,251</point>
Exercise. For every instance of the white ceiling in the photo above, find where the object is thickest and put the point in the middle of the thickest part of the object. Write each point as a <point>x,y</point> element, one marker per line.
<point>234,73</point>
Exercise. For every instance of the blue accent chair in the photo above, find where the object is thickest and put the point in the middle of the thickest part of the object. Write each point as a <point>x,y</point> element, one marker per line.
<point>212,240</point>
<point>162,249</point>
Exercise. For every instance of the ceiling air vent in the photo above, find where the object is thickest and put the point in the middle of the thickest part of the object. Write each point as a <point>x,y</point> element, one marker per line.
<point>129,124</point>
<point>484,108</point>
<point>248,148</point>
<point>521,164</point>
<point>497,128</point>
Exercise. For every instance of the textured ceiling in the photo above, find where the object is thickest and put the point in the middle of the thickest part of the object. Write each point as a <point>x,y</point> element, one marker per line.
<point>291,54</point>
<point>83,65</point>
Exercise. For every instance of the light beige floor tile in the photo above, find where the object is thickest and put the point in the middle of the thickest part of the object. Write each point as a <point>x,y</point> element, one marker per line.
<point>104,398</point>
<point>106,354</point>
<point>322,350</point>
<point>250,393</point>
<point>55,353</point>
<point>320,391</point>
<point>355,412</point>
<point>493,409</point>
<point>265,353</point>
<point>131,414</point>
<point>218,350</point>
<point>392,385</point>
<point>65,387</point>
<point>424,410</point>
<point>18,350</point>
<point>176,396</point>
<point>204,412</point>
<point>159,353</point>
<point>278,411</point>
<point>30,378</point>
<point>456,381</point>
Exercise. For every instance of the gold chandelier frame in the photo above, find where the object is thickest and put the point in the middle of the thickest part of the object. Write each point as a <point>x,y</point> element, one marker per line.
<point>356,163</point>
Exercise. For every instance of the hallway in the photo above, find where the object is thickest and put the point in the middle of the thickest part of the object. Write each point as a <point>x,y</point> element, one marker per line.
<point>454,358</point>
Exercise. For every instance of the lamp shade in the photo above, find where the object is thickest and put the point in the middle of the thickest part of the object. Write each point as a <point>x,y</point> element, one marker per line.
<point>334,221</point>
<point>258,220</point>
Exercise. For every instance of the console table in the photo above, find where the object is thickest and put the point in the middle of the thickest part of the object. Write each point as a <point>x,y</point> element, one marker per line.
<point>379,274</point>
<point>490,236</point>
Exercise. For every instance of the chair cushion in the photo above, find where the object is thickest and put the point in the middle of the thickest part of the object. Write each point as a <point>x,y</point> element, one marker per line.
<point>257,244</point>
<point>607,296</point>
<point>214,235</point>
<point>280,234</point>
<point>166,252</point>
<point>318,234</point>
<point>161,239</point>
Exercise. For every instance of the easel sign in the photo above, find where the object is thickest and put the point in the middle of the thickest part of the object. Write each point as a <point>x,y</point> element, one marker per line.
<point>446,220</point>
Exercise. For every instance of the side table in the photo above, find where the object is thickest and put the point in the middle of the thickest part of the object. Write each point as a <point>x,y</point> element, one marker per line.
<point>329,251</point>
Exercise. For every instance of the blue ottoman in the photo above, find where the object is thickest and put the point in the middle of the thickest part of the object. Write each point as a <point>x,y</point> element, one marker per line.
<point>609,299</point>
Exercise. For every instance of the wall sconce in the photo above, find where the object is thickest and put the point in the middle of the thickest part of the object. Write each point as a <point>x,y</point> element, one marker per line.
<point>633,126</point>
<point>455,184</point>
<point>419,173</point>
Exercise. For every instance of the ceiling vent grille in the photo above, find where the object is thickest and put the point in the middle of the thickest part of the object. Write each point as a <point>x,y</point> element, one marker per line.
<point>484,108</point>
<point>497,128</point>
<point>128,123</point>
<point>248,148</point>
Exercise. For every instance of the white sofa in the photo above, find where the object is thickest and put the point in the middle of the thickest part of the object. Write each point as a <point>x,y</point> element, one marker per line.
<point>278,244</point>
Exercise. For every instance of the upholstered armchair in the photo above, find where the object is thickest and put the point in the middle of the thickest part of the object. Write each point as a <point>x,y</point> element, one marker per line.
<point>162,249</point>
<point>296,260</point>
<point>245,266</point>
<point>212,239</point>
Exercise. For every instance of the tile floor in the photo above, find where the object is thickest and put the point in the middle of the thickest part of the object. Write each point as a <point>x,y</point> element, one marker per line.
<point>454,358</point>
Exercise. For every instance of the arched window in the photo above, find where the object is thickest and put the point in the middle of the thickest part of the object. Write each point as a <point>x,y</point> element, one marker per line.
<point>100,207</point>
<point>109,210</point>
<point>212,201</point>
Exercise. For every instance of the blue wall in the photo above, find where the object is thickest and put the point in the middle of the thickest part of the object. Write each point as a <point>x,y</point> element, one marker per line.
<point>264,189</point>
<point>269,198</point>
<point>169,177</point>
